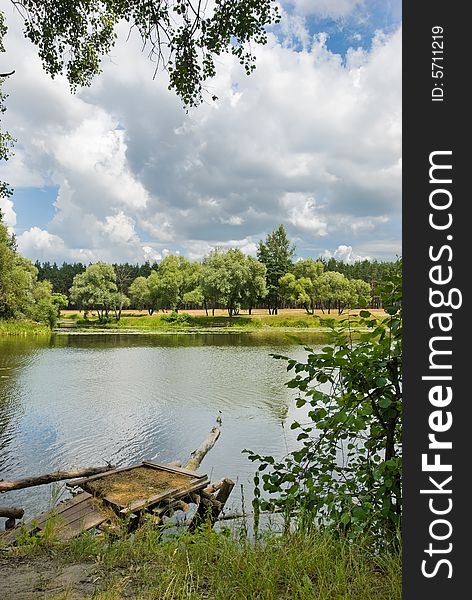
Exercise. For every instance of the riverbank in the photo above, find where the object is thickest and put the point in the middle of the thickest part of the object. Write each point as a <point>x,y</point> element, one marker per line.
<point>314,566</point>
<point>197,321</point>
<point>23,328</point>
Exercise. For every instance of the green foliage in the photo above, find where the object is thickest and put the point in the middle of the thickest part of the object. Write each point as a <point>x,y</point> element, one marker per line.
<point>140,294</point>
<point>21,295</point>
<point>23,327</point>
<point>6,139</point>
<point>43,309</point>
<point>225,566</point>
<point>255,288</point>
<point>276,253</point>
<point>96,289</point>
<point>296,291</point>
<point>181,36</point>
<point>174,317</point>
<point>347,471</point>
<point>233,279</point>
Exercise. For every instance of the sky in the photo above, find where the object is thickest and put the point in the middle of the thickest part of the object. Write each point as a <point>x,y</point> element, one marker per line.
<point>121,172</point>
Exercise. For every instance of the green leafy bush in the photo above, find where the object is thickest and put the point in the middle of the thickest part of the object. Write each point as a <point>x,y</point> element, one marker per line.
<point>175,317</point>
<point>346,473</point>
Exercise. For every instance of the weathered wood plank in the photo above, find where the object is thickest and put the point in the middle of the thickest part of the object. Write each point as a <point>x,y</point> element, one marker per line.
<point>210,507</point>
<point>62,507</point>
<point>83,480</point>
<point>173,493</point>
<point>173,469</point>
<point>75,515</point>
<point>90,517</point>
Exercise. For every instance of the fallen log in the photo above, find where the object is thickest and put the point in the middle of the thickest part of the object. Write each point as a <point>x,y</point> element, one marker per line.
<point>18,484</point>
<point>199,454</point>
<point>11,512</point>
<point>214,487</point>
<point>210,507</point>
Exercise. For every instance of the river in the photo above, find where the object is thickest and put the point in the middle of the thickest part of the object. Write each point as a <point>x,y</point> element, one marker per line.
<point>78,400</point>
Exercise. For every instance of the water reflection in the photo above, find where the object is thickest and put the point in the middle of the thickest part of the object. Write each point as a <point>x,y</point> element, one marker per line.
<point>78,400</point>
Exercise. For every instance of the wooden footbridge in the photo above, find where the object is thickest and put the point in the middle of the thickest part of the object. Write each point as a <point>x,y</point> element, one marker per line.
<point>106,495</point>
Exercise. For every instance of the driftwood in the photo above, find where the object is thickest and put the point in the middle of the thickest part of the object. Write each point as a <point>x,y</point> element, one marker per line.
<point>210,507</point>
<point>18,484</point>
<point>199,454</point>
<point>11,512</point>
<point>214,487</point>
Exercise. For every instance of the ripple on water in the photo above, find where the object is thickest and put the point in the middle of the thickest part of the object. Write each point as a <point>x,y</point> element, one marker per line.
<point>82,402</point>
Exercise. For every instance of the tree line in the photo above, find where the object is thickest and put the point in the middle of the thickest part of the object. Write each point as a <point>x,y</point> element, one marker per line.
<point>226,279</point>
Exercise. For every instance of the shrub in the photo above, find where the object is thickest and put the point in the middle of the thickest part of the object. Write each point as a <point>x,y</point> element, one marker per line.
<point>347,472</point>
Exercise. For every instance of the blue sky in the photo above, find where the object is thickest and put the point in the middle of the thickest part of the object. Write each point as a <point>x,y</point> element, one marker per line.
<point>312,139</point>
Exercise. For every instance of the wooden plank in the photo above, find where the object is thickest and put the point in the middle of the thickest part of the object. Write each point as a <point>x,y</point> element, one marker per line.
<point>173,493</point>
<point>72,506</point>
<point>173,469</point>
<point>11,512</point>
<point>90,517</point>
<point>77,512</point>
<point>81,516</point>
<point>62,508</point>
<point>79,482</point>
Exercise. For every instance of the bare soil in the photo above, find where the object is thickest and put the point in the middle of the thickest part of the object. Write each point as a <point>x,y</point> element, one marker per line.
<point>36,577</point>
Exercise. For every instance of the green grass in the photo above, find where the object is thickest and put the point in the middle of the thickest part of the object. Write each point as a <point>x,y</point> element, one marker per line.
<point>296,566</point>
<point>185,322</point>
<point>23,327</point>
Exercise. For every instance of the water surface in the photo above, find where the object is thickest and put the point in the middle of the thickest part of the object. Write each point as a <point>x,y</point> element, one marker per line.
<point>81,400</point>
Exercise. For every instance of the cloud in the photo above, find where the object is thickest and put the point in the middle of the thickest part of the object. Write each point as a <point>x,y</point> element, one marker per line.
<point>345,254</point>
<point>311,140</point>
<point>303,214</point>
<point>46,246</point>
<point>9,214</point>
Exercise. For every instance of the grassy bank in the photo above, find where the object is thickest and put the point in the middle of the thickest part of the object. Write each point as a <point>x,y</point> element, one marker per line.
<point>198,321</point>
<point>215,566</point>
<point>23,327</point>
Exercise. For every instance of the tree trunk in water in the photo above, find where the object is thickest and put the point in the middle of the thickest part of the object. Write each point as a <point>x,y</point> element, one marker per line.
<point>18,484</point>
<point>11,512</point>
<point>199,454</point>
<point>210,507</point>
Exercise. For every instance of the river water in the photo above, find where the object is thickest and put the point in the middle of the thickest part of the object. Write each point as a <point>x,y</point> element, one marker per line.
<point>78,400</point>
